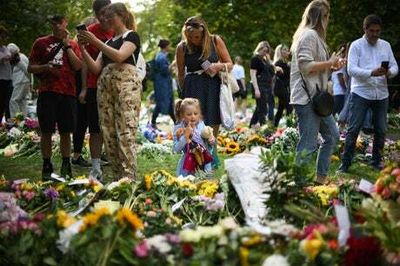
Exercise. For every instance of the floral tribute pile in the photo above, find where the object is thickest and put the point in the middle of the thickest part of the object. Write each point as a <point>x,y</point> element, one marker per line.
<point>162,219</point>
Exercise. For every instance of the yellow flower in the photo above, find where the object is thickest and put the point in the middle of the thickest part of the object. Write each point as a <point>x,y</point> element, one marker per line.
<point>326,193</point>
<point>254,240</point>
<point>126,215</point>
<point>148,180</point>
<point>64,220</point>
<point>60,186</point>
<point>207,188</point>
<point>91,219</point>
<point>244,256</point>
<point>335,158</point>
<point>311,247</point>
<point>80,177</point>
<point>232,147</point>
<point>187,184</point>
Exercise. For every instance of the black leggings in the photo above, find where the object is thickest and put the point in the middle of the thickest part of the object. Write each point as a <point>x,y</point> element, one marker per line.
<point>5,96</point>
<point>283,104</point>
<point>260,112</point>
<point>156,112</point>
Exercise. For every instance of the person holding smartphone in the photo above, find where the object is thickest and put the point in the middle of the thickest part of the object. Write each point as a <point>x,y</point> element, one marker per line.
<point>88,114</point>
<point>56,58</point>
<point>367,69</point>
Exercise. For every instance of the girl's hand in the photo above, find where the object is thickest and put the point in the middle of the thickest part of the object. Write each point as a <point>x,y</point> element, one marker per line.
<point>188,133</point>
<point>278,69</point>
<point>179,132</point>
<point>86,37</point>
<point>257,93</point>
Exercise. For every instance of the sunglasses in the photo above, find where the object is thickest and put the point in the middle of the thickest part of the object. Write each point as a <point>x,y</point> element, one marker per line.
<point>194,25</point>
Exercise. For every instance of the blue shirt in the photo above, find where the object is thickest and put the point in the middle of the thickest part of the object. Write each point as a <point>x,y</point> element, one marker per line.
<point>363,59</point>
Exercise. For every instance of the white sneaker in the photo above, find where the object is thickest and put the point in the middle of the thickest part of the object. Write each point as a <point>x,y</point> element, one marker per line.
<point>96,174</point>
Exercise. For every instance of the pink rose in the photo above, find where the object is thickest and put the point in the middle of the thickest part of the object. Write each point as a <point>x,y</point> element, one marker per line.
<point>141,250</point>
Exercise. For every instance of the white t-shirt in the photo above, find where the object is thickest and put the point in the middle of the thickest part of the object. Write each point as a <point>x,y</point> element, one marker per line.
<point>337,88</point>
<point>238,71</point>
<point>20,73</point>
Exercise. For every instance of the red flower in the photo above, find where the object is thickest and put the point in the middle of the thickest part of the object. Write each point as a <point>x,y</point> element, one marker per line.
<point>187,250</point>
<point>148,201</point>
<point>362,251</point>
<point>333,244</point>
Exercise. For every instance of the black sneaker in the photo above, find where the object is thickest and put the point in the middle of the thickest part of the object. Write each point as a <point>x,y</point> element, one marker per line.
<point>104,160</point>
<point>66,170</point>
<point>47,170</point>
<point>80,162</point>
<point>343,168</point>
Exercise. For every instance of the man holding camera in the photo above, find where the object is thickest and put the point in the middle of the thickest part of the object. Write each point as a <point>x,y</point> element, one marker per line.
<point>370,64</point>
<point>54,60</point>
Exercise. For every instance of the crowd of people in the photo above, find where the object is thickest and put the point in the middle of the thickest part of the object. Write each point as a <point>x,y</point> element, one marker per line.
<point>95,81</point>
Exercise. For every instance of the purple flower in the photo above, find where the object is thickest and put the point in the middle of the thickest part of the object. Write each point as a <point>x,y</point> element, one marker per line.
<point>51,193</point>
<point>172,238</point>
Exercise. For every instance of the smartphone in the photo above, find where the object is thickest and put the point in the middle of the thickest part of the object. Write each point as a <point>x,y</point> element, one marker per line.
<point>205,65</point>
<point>385,65</point>
<point>81,27</point>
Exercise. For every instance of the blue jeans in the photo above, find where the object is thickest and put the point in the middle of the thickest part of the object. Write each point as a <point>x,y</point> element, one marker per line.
<point>310,124</point>
<point>358,110</point>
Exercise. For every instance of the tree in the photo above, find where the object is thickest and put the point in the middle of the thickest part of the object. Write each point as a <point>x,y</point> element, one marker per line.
<point>26,19</point>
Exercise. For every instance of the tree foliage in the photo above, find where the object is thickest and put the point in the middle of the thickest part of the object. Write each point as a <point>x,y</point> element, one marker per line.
<point>26,19</point>
<point>243,23</point>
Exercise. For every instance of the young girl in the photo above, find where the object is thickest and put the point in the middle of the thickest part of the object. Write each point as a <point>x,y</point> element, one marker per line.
<point>192,138</point>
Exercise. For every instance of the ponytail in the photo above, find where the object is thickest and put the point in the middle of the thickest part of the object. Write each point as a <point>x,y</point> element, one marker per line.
<point>178,105</point>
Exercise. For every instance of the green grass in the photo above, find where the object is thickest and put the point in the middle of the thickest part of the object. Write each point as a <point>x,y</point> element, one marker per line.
<point>32,167</point>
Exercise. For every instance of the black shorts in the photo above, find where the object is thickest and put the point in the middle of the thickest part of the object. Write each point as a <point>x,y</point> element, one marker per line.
<point>56,109</point>
<point>92,112</point>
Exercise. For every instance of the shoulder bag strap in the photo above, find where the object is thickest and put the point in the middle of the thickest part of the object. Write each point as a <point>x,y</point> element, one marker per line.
<point>123,37</point>
<point>305,86</point>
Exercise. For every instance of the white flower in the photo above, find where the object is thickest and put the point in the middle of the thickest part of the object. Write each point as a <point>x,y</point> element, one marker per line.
<point>229,223</point>
<point>159,242</point>
<point>66,235</point>
<point>190,235</point>
<point>276,260</point>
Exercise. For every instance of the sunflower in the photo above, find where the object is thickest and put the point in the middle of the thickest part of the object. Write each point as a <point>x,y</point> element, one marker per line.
<point>64,220</point>
<point>126,215</point>
<point>232,148</point>
<point>91,219</point>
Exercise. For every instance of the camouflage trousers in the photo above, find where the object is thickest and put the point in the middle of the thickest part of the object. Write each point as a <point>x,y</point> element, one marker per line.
<point>118,99</point>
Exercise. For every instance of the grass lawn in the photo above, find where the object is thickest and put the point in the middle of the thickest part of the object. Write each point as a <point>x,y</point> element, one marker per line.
<point>32,167</point>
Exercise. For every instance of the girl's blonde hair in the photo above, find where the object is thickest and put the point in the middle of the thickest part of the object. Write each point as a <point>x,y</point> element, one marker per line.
<point>278,53</point>
<point>195,24</point>
<point>315,17</point>
<point>181,105</point>
<point>120,10</point>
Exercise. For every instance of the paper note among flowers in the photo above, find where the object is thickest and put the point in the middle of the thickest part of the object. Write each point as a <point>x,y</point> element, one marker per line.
<point>366,186</point>
<point>342,217</point>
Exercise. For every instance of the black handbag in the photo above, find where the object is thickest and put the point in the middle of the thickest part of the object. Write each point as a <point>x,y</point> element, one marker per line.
<point>322,102</point>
